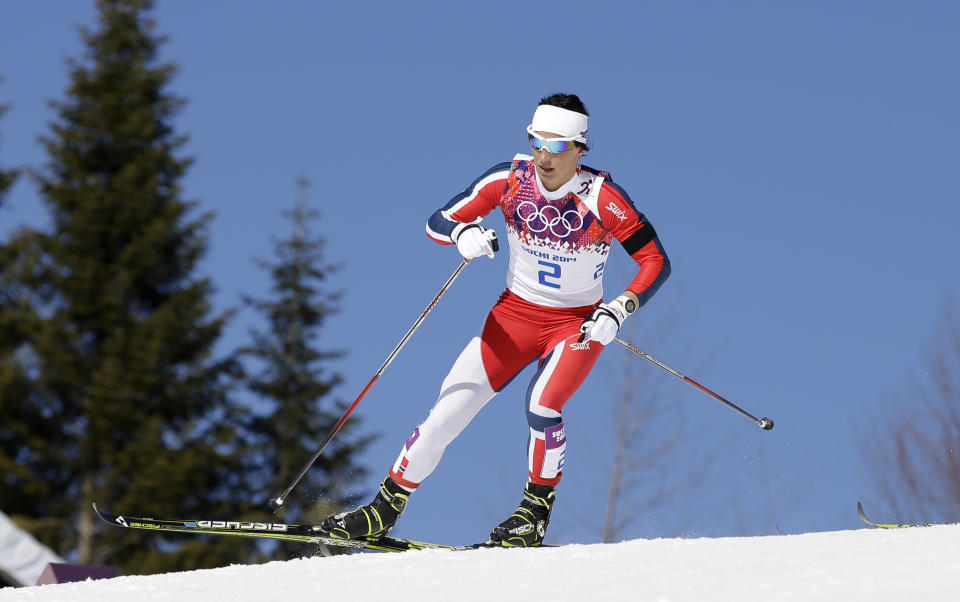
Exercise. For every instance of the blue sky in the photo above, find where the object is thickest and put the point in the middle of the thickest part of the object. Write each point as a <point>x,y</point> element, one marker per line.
<point>798,159</point>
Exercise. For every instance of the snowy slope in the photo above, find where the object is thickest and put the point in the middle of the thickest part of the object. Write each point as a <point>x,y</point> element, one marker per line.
<point>875,565</point>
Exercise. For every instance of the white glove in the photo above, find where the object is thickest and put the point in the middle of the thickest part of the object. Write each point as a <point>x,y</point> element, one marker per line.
<point>604,322</point>
<point>475,240</point>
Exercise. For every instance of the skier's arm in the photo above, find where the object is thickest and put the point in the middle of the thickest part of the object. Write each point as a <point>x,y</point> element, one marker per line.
<point>469,207</point>
<point>639,240</point>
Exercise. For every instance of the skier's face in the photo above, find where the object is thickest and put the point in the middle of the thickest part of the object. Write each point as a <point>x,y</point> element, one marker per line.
<point>555,169</point>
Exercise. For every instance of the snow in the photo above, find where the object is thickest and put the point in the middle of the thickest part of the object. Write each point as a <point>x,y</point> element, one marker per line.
<point>866,564</point>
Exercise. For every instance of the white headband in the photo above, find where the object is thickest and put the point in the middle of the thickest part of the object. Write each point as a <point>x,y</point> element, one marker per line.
<point>566,123</point>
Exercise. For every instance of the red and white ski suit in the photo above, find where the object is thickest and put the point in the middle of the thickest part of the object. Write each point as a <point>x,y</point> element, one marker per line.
<point>559,242</point>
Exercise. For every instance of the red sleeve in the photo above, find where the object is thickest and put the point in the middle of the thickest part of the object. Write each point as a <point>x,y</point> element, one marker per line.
<point>638,238</point>
<point>471,205</point>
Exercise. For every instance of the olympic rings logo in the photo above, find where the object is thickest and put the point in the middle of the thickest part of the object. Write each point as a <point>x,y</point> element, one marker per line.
<point>539,219</point>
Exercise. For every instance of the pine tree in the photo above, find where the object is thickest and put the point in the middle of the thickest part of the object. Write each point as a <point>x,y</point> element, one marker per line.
<point>294,378</point>
<point>14,422</point>
<point>117,396</point>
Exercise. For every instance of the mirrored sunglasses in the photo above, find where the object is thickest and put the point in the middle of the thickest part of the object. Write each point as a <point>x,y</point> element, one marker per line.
<point>551,145</point>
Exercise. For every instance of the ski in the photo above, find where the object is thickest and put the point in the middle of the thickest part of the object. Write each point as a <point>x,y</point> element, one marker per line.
<point>268,530</point>
<point>863,516</point>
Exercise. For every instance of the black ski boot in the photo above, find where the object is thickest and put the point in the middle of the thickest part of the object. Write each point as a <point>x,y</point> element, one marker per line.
<point>527,526</point>
<point>372,520</point>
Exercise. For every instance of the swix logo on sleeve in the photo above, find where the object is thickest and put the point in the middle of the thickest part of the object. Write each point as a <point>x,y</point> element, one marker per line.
<point>619,213</point>
<point>584,346</point>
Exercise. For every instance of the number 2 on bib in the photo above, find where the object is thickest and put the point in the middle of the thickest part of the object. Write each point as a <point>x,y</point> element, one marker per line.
<point>553,272</point>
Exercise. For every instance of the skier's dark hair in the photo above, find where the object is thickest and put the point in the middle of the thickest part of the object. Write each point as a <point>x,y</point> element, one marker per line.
<point>571,102</point>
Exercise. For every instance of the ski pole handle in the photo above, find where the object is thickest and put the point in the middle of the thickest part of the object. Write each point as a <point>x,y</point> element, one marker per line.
<point>494,242</point>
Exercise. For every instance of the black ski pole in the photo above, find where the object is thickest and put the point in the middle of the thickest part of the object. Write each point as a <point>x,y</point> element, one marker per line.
<point>764,423</point>
<point>278,501</point>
